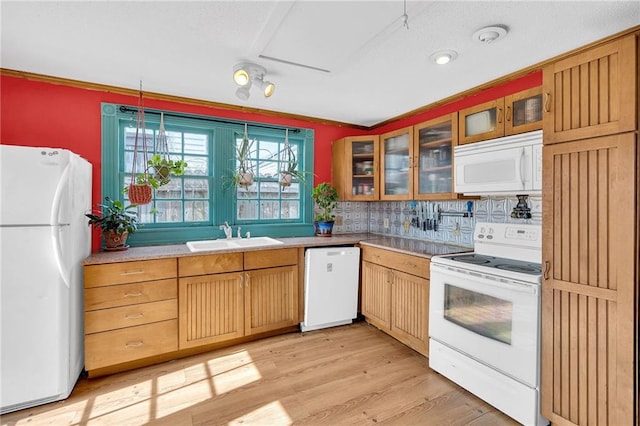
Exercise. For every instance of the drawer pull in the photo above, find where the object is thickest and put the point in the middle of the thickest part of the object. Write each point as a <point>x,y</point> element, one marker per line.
<point>133,294</point>
<point>135,344</point>
<point>138,272</point>
<point>134,316</point>
<point>411,264</point>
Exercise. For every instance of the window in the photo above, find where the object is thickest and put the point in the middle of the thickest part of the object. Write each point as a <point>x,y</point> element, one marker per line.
<point>192,206</point>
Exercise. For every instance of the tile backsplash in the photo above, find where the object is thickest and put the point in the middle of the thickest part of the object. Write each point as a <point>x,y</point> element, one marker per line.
<point>370,217</point>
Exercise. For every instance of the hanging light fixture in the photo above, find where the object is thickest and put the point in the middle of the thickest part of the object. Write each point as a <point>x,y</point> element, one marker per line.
<point>247,74</point>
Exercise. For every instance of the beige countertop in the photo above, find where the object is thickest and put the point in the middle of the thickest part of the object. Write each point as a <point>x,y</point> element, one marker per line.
<point>400,244</point>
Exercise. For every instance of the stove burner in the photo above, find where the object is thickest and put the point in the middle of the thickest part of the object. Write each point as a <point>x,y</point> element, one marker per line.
<point>525,269</point>
<point>473,259</point>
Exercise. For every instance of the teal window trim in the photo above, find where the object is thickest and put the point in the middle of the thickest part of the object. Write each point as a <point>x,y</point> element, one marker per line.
<point>223,133</point>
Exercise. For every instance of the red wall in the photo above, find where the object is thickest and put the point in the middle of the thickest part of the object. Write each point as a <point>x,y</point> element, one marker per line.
<point>35,113</point>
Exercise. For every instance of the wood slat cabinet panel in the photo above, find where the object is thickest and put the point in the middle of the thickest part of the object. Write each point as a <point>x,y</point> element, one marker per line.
<point>130,344</point>
<point>376,295</point>
<point>211,308</point>
<point>591,94</point>
<point>130,294</point>
<point>209,264</point>
<point>271,299</point>
<point>590,285</point>
<point>129,316</point>
<point>270,258</point>
<point>395,295</point>
<point>128,272</point>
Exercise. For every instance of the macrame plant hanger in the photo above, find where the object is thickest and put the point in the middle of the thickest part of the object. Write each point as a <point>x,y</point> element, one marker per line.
<point>140,191</point>
<point>162,149</point>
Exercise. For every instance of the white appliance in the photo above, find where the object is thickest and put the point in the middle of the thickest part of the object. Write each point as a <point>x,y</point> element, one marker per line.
<point>508,165</point>
<point>484,318</point>
<point>44,194</point>
<point>330,287</point>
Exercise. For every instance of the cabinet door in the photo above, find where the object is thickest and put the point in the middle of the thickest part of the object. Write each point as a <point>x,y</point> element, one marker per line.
<point>210,308</point>
<point>376,295</point>
<point>591,94</point>
<point>410,311</point>
<point>432,172</point>
<point>481,122</point>
<point>523,111</point>
<point>355,168</point>
<point>271,299</point>
<point>590,255</point>
<point>397,157</point>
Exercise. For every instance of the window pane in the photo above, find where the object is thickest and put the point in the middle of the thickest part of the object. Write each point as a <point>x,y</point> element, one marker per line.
<point>248,210</point>
<point>196,165</point>
<point>169,211</point>
<point>269,190</point>
<point>268,150</point>
<point>290,210</point>
<point>171,190</point>
<point>195,143</point>
<point>196,188</point>
<point>196,211</point>
<point>269,210</point>
<point>130,139</point>
<point>174,142</point>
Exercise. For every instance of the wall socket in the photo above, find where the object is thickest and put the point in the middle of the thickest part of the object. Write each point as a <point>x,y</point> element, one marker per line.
<point>386,223</point>
<point>338,220</point>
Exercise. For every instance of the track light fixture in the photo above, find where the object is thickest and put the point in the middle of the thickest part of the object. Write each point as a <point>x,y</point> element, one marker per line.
<point>247,74</point>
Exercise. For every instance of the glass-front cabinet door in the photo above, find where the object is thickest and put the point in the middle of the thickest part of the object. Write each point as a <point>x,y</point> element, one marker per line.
<point>523,111</point>
<point>482,122</point>
<point>355,168</point>
<point>396,170</point>
<point>433,173</point>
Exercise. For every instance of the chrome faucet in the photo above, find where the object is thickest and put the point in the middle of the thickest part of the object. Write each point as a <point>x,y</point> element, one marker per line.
<point>227,229</point>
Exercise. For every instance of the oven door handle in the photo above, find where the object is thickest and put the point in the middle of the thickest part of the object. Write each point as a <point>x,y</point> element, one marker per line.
<point>512,285</point>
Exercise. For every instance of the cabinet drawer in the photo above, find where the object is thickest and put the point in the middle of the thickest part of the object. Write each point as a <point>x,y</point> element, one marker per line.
<point>129,316</point>
<point>209,264</point>
<point>414,265</point>
<point>129,294</point>
<point>270,258</point>
<point>129,344</point>
<point>129,272</point>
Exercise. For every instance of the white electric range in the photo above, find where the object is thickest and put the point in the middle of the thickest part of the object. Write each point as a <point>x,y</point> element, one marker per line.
<point>484,318</point>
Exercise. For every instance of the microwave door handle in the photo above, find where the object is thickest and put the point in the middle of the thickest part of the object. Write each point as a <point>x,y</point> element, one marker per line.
<point>520,168</point>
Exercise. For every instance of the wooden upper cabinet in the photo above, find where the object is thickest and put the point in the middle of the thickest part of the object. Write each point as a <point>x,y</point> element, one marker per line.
<point>433,163</point>
<point>396,152</point>
<point>517,113</point>
<point>355,168</point>
<point>481,122</point>
<point>591,94</point>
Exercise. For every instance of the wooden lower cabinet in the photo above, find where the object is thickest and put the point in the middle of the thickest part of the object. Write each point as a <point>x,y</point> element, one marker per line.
<point>211,309</point>
<point>394,300</point>
<point>261,296</point>
<point>130,311</point>
<point>590,284</point>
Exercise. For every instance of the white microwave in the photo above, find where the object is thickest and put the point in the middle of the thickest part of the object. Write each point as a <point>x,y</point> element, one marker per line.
<point>508,165</point>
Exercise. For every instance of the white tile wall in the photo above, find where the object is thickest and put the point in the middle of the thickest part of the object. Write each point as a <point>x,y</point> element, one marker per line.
<point>369,217</point>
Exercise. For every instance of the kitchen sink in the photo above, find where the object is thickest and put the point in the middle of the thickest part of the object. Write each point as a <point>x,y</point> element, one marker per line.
<point>212,245</point>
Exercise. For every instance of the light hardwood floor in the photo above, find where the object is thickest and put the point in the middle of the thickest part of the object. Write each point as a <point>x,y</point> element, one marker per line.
<point>349,375</point>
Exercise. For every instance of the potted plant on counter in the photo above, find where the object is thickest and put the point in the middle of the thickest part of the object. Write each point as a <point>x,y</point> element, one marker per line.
<point>326,198</point>
<point>117,222</point>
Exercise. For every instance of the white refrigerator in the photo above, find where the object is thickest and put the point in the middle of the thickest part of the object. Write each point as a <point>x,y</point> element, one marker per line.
<point>44,194</point>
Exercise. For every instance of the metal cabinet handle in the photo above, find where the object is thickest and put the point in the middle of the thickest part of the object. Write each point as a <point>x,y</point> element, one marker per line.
<point>138,272</point>
<point>411,264</point>
<point>547,99</point>
<point>135,344</point>
<point>500,115</point>
<point>133,294</point>
<point>134,316</point>
<point>547,266</point>
<point>508,117</point>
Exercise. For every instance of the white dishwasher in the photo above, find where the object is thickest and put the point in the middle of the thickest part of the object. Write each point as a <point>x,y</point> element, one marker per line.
<point>330,287</point>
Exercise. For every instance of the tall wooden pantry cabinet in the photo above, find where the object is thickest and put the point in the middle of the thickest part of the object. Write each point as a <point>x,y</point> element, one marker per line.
<point>591,237</point>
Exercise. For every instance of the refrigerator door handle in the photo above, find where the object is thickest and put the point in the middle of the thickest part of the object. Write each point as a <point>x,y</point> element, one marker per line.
<point>63,184</point>
<point>59,252</point>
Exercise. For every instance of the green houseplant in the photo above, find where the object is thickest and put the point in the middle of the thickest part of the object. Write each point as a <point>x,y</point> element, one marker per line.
<point>289,170</point>
<point>117,222</point>
<point>325,197</point>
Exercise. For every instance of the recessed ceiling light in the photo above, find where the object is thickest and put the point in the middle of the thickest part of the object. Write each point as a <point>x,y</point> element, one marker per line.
<point>443,56</point>
<point>490,34</point>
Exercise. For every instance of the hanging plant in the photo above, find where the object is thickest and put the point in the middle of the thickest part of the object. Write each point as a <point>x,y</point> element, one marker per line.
<point>139,190</point>
<point>289,165</point>
<point>243,175</point>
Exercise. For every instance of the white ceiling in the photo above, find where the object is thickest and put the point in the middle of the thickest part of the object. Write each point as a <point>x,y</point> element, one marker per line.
<point>377,68</point>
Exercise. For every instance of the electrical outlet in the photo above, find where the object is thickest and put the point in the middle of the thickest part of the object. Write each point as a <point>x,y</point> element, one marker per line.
<point>406,225</point>
<point>386,223</point>
<point>456,230</point>
<point>338,220</point>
